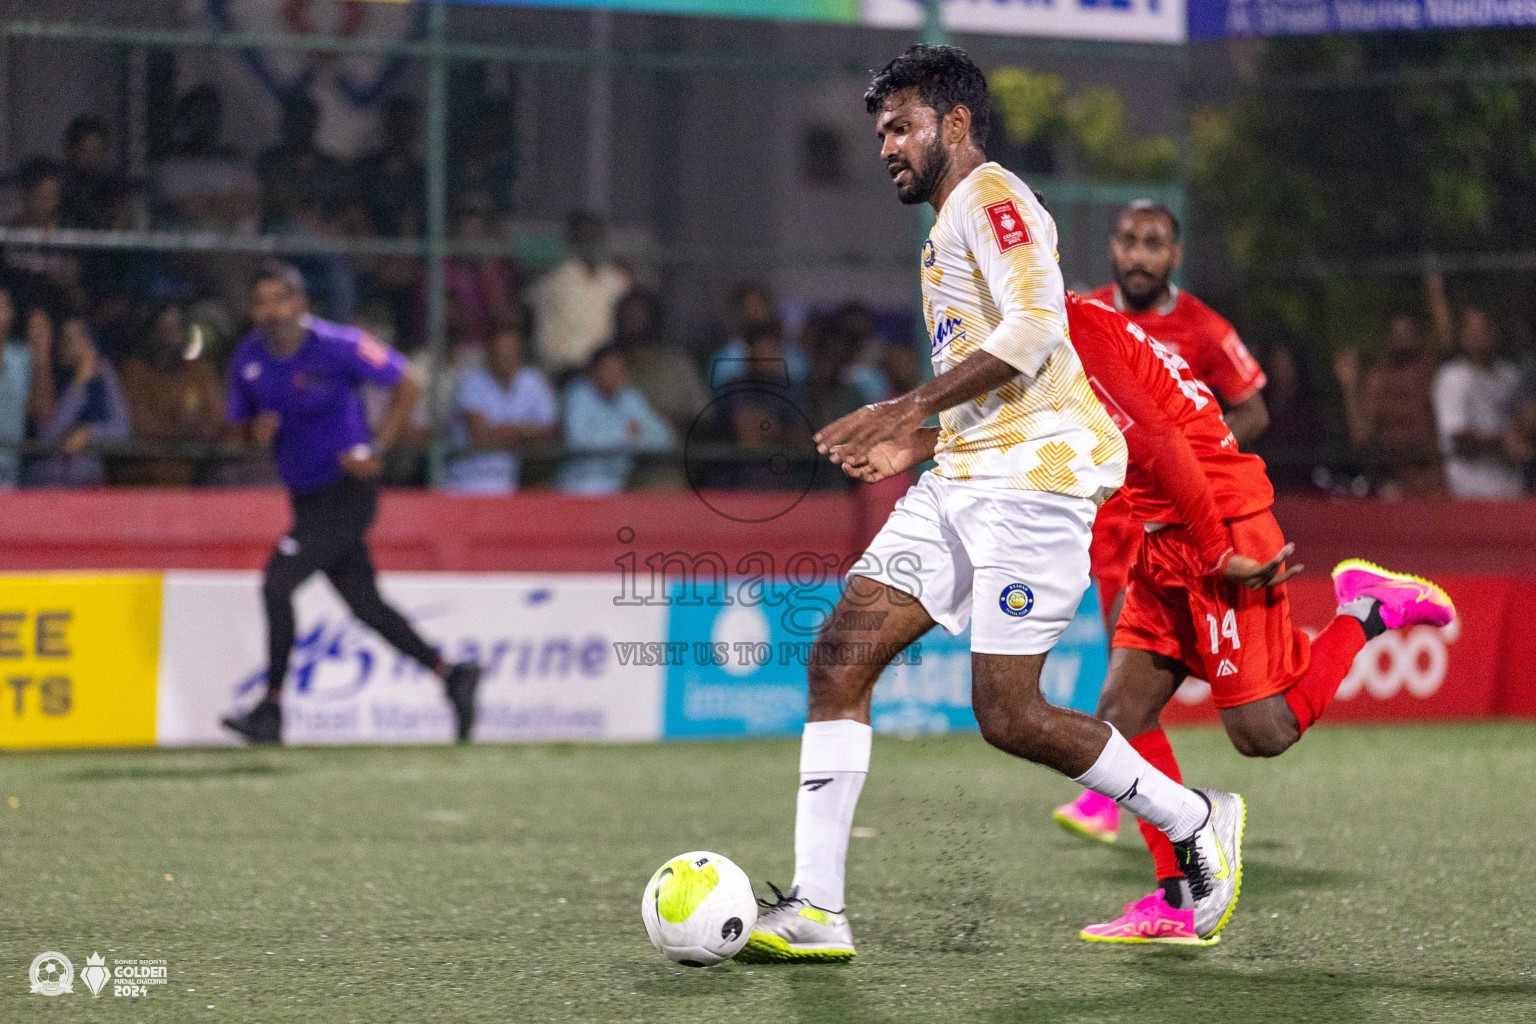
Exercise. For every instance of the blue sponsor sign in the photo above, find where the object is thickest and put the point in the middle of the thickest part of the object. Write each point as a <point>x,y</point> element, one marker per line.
<point>739,669</point>
<point>1211,19</point>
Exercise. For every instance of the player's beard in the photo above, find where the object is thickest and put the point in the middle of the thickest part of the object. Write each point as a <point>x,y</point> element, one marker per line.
<point>1143,295</point>
<point>935,164</point>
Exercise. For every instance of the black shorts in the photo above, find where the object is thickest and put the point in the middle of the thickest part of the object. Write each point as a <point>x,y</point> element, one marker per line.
<point>329,522</point>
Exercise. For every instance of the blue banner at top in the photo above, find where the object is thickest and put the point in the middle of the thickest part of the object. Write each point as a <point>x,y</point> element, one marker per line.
<point>1211,19</point>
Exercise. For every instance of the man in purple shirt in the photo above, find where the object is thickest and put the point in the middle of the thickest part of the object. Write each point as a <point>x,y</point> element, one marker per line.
<point>294,386</point>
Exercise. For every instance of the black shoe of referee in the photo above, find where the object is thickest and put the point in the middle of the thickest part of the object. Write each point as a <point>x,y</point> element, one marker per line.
<point>462,682</point>
<point>261,724</point>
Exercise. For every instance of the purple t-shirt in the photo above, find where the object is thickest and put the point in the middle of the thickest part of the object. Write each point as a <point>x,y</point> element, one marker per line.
<point>316,392</point>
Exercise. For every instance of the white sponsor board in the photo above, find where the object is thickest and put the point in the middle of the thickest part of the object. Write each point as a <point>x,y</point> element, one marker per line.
<point>1139,21</point>
<point>546,642</point>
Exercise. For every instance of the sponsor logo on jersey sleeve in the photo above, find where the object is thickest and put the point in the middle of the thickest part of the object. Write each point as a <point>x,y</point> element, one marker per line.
<point>1121,418</point>
<point>1241,358</point>
<point>371,352</point>
<point>1007,225</point>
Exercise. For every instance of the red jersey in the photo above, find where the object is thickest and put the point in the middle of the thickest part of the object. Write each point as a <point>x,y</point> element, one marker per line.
<point>1185,466</point>
<point>1202,338</point>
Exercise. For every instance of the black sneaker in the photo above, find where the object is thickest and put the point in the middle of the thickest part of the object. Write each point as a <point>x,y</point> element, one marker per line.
<point>462,682</point>
<point>261,724</point>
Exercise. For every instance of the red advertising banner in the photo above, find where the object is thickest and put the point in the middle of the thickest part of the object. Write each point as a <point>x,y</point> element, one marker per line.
<point>1472,668</point>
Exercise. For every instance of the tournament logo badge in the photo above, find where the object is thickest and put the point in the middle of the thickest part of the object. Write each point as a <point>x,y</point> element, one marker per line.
<point>1016,600</point>
<point>95,974</point>
<point>52,974</point>
<point>1007,225</point>
<point>930,255</point>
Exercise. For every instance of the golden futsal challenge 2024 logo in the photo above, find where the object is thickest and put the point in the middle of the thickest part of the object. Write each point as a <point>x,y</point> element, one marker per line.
<point>53,974</point>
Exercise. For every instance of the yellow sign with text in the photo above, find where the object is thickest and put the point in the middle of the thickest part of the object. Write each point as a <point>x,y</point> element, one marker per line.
<point>79,656</point>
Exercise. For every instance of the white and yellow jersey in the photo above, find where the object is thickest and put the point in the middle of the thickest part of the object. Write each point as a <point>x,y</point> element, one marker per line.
<point>990,281</point>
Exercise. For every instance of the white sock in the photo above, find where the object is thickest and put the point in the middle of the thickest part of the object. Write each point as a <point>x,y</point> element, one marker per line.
<point>834,758</point>
<point>1130,781</point>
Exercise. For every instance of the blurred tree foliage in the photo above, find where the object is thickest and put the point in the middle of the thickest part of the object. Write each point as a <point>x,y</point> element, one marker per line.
<point>1437,162</point>
<point>1035,110</point>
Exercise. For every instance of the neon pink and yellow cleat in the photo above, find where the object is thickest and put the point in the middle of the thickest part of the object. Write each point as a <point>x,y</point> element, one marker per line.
<point>1405,600</point>
<point>1091,815</point>
<point>1151,920</point>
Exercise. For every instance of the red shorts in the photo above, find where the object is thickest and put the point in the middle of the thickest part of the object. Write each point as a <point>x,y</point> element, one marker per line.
<point>1241,641</point>
<point>1116,539</point>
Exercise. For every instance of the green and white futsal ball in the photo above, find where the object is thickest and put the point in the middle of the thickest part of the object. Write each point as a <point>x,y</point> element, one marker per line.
<point>699,909</point>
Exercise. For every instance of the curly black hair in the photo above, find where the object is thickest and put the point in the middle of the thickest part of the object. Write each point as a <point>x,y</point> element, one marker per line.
<point>944,77</point>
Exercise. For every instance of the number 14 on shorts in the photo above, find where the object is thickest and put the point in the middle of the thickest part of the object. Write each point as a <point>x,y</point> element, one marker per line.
<point>1226,628</point>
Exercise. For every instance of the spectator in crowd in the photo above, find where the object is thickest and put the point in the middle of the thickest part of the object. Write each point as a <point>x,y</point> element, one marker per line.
<point>901,367</point>
<point>483,169</point>
<point>296,175</point>
<point>26,382</point>
<point>480,293</point>
<point>768,415</point>
<point>608,417</point>
<point>304,190</point>
<point>1475,397</point>
<point>42,276</point>
<point>88,408</point>
<point>1289,444</point>
<point>660,370</point>
<point>174,396</point>
<point>498,407</point>
<point>1390,408</point>
<point>831,394</point>
<point>573,304</point>
<point>391,179</point>
<point>752,304</point>
<point>204,183</point>
<point>90,188</point>
<point>856,324</point>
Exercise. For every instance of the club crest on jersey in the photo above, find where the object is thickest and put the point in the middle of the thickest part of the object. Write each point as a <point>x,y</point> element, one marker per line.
<point>1007,225</point>
<point>1016,600</point>
<point>930,254</point>
<point>946,332</point>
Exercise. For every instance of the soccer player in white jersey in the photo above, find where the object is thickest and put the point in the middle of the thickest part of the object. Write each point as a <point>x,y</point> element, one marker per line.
<point>997,535</point>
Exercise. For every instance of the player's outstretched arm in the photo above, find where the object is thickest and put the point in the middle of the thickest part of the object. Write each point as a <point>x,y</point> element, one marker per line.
<point>857,433</point>
<point>888,458</point>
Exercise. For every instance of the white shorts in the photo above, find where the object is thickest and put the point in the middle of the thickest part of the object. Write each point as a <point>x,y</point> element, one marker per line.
<point>1023,555</point>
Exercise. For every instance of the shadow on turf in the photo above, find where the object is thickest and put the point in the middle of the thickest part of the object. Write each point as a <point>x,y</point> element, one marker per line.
<point>1212,991</point>
<point>185,772</point>
<point>822,993</point>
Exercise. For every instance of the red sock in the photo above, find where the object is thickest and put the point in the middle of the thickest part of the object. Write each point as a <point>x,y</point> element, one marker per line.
<point>1333,652</point>
<point>1154,746</point>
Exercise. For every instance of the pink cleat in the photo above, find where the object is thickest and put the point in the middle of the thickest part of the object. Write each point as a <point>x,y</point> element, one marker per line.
<point>1091,815</point>
<point>1405,600</point>
<point>1151,920</point>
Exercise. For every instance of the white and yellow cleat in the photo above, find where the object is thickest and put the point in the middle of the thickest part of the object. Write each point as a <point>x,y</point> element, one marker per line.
<point>790,930</point>
<point>1212,861</point>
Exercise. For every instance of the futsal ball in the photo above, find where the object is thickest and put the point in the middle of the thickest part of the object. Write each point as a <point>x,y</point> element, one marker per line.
<point>699,909</point>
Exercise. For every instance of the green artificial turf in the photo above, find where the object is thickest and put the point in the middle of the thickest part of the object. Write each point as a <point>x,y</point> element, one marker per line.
<point>1390,875</point>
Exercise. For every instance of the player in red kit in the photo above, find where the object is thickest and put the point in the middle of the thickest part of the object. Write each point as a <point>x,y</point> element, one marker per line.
<point>1186,613</point>
<point>1144,251</point>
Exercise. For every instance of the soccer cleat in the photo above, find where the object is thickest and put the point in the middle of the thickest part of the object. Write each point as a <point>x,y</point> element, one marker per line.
<point>1212,861</point>
<point>790,930</point>
<point>1150,920</point>
<point>1091,815</point>
<point>1405,600</point>
<point>462,682</point>
<point>261,724</point>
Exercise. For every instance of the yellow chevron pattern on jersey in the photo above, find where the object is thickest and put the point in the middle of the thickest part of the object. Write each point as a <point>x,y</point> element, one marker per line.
<point>1045,430</point>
